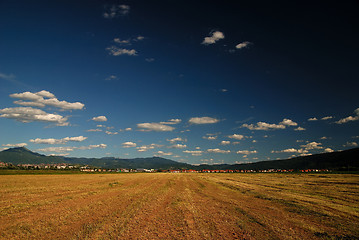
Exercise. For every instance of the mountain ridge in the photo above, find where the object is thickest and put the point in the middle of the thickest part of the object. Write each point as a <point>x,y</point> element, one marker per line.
<point>340,160</point>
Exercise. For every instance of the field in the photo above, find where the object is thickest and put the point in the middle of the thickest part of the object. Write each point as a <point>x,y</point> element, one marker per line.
<point>179,206</point>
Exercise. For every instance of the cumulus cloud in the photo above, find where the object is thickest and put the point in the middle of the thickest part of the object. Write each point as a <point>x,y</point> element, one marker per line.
<point>225,143</point>
<point>111,133</point>
<point>246,152</point>
<point>116,51</point>
<point>288,122</point>
<point>162,153</point>
<point>203,120</point>
<point>237,136</point>
<point>44,98</point>
<point>158,127</point>
<point>299,129</point>
<point>128,144</point>
<point>99,119</point>
<point>114,11</point>
<point>312,145</point>
<point>213,38</point>
<point>217,150</point>
<point>328,150</point>
<point>210,137</point>
<point>178,146</point>
<point>243,45</point>
<point>145,148</point>
<point>194,153</point>
<point>312,119</point>
<point>68,149</point>
<point>94,130</point>
<point>172,121</point>
<point>177,139</point>
<point>327,117</point>
<point>350,144</point>
<point>58,141</point>
<point>350,118</point>
<point>291,150</point>
<point>270,126</point>
<point>29,114</point>
<point>15,145</point>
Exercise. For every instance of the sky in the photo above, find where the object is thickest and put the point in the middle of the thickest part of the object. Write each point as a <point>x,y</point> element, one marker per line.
<point>193,81</point>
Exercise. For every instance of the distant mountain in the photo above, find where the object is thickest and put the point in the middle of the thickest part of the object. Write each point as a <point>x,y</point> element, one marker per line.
<point>342,160</point>
<point>22,155</point>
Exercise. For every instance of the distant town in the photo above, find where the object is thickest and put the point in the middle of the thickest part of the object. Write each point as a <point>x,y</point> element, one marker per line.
<point>66,166</point>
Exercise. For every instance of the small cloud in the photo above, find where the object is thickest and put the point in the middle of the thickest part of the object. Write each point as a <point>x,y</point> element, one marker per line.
<point>237,136</point>
<point>114,11</point>
<point>225,143</point>
<point>172,121</point>
<point>158,127</point>
<point>243,45</point>
<point>122,42</point>
<point>149,59</point>
<point>246,152</point>
<point>194,153</point>
<point>223,90</point>
<point>288,122</point>
<point>115,51</point>
<point>111,133</point>
<point>299,129</point>
<point>328,150</point>
<point>203,120</point>
<point>350,118</point>
<point>94,130</point>
<point>162,153</point>
<point>213,38</point>
<point>313,119</point>
<point>128,144</point>
<point>177,139</point>
<point>210,137</point>
<point>327,117</point>
<point>350,144</point>
<point>111,77</point>
<point>178,146</point>
<point>217,150</point>
<point>99,119</point>
<point>58,141</point>
<point>15,145</point>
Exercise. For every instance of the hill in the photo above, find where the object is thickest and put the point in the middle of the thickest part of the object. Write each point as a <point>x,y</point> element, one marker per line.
<point>342,160</point>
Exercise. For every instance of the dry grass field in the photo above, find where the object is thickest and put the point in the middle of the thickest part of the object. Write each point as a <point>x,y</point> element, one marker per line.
<point>179,206</point>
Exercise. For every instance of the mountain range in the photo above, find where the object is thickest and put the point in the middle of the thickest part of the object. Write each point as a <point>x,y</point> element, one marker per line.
<point>341,160</point>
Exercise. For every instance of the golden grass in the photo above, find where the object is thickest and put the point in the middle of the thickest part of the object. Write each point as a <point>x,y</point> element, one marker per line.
<point>179,206</point>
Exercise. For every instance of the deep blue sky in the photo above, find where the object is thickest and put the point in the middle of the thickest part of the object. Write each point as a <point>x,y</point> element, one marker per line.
<point>240,81</point>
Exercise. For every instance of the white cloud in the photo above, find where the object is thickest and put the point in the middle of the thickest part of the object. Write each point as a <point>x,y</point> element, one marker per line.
<point>237,136</point>
<point>299,129</point>
<point>350,118</point>
<point>225,142</point>
<point>58,141</point>
<point>99,119</point>
<point>145,148</point>
<point>68,149</point>
<point>350,144</point>
<point>291,150</point>
<point>217,150</point>
<point>213,38</point>
<point>270,126</point>
<point>194,153</point>
<point>263,126</point>
<point>94,130</point>
<point>312,119</point>
<point>328,150</point>
<point>111,77</point>
<point>15,145</point>
<point>116,51</point>
<point>246,152</point>
<point>243,45</point>
<point>312,145</point>
<point>203,120</point>
<point>162,153</point>
<point>327,117</point>
<point>113,11</point>
<point>38,100</point>
<point>128,129</point>
<point>210,137</point>
<point>177,139</point>
<point>178,146</point>
<point>29,114</point>
<point>158,127</point>
<point>111,133</point>
<point>122,42</point>
<point>172,121</point>
<point>288,122</point>
<point>128,144</point>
